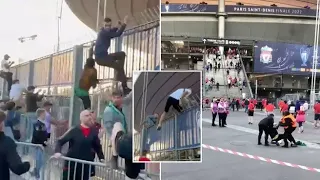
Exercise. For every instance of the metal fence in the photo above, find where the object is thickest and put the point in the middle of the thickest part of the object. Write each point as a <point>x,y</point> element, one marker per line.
<point>178,140</point>
<point>53,73</point>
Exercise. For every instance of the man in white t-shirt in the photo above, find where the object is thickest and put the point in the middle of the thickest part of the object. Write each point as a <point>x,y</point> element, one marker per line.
<point>5,70</point>
<point>16,93</point>
<point>175,99</point>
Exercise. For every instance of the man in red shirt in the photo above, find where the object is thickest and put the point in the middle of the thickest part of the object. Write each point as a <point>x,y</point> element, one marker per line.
<point>285,107</point>
<point>316,109</point>
<point>144,158</point>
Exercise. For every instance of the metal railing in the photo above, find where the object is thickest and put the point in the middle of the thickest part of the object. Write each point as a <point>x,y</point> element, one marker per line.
<point>248,86</point>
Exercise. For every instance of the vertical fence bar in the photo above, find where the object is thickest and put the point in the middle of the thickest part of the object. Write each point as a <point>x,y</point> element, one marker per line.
<point>155,48</point>
<point>50,74</point>
<point>76,73</point>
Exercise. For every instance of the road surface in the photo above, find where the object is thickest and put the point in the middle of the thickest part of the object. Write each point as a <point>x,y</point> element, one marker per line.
<point>239,156</point>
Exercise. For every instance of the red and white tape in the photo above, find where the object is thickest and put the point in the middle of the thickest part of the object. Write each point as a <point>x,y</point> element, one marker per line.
<point>260,158</point>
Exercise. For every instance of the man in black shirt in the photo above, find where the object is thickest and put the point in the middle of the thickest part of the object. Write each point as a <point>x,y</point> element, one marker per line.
<point>9,158</point>
<point>264,126</point>
<point>82,140</point>
<point>31,108</point>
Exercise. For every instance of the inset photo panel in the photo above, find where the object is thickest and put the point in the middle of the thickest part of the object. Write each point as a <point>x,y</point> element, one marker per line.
<point>167,116</point>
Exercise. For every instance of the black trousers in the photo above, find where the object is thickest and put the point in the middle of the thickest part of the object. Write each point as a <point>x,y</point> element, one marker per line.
<point>265,129</point>
<point>288,135</point>
<point>214,115</point>
<point>222,119</point>
<point>8,77</point>
<point>86,101</point>
<point>115,61</point>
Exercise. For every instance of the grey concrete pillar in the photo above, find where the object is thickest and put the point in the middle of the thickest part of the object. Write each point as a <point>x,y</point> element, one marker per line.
<point>31,73</point>
<point>75,106</point>
<point>221,18</point>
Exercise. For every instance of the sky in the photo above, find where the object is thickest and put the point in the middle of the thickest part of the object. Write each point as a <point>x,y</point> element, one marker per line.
<point>23,18</point>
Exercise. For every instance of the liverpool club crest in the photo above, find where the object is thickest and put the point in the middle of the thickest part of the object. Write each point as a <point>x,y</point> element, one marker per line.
<point>266,55</point>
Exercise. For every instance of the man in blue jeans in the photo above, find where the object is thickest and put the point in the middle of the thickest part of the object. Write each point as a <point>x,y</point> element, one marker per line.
<point>112,60</point>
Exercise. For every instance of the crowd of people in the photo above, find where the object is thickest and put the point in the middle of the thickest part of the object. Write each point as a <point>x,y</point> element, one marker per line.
<point>293,116</point>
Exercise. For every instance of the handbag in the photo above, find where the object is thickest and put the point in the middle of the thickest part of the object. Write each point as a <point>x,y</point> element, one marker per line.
<point>16,130</point>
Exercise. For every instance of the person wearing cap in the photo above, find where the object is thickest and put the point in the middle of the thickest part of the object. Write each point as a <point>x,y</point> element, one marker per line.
<point>113,113</point>
<point>88,79</point>
<point>113,60</point>
<point>31,107</point>
<point>9,157</point>
<point>50,120</point>
<point>16,93</point>
<point>5,70</point>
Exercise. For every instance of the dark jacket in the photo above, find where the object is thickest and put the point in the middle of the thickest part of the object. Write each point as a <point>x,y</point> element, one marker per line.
<point>104,40</point>
<point>31,101</point>
<point>40,134</point>
<point>9,159</point>
<point>80,147</point>
<point>268,121</point>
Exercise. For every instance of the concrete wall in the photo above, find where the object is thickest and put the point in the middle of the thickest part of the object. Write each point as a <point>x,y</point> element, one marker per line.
<point>279,29</point>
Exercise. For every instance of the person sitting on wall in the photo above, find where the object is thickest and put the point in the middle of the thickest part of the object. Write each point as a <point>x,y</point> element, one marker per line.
<point>88,79</point>
<point>113,60</point>
<point>175,99</point>
<point>5,70</point>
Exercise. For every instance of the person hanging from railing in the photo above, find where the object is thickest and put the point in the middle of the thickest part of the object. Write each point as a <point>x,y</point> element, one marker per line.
<point>9,157</point>
<point>88,79</point>
<point>5,71</point>
<point>114,113</point>
<point>82,139</point>
<point>32,98</point>
<point>175,100</point>
<point>113,60</point>
<point>40,137</point>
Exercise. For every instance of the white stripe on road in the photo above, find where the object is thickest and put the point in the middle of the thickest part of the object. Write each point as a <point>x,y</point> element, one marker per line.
<point>253,131</point>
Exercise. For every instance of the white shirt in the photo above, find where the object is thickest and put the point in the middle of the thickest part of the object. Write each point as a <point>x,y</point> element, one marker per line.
<point>229,81</point>
<point>306,106</point>
<point>178,93</point>
<point>3,65</point>
<point>16,92</point>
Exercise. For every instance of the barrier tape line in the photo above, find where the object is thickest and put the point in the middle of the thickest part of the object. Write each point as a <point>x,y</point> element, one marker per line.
<point>261,158</point>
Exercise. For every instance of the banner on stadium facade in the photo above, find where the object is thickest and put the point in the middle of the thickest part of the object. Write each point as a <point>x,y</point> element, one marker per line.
<point>283,58</point>
<point>238,9</point>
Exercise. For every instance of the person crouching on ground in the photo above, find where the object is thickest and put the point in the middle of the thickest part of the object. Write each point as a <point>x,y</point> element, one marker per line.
<point>301,118</point>
<point>289,124</point>
<point>84,139</point>
<point>265,125</point>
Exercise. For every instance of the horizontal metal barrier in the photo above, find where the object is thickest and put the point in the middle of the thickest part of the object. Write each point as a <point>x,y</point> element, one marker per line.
<point>74,169</point>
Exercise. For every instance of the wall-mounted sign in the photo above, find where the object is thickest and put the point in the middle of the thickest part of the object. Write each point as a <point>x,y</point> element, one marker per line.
<point>267,10</point>
<point>221,41</point>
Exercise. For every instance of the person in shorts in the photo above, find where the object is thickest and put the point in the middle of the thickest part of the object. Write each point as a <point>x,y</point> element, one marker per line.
<point>316,114</point>
<point>251,107</point>
<point>174,100</point>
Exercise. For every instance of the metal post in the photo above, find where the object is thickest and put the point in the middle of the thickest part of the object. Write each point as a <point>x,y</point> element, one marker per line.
<point>105,9</point>
<point>256,91</point>
<point>76,74</point>
<point>50,74</point>
<point>98,16</point>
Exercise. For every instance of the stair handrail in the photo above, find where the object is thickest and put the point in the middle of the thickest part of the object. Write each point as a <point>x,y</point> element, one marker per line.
<point>224,69</point>
<point>246,77</point>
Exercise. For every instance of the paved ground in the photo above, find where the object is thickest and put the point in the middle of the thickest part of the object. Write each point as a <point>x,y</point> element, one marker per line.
<point>241,137</point>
